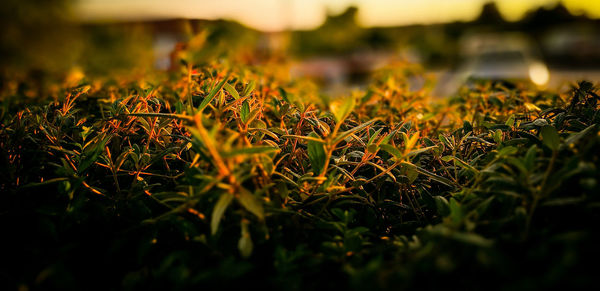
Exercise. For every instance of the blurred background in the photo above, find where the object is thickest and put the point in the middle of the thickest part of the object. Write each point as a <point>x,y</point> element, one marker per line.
<point>337,43</point>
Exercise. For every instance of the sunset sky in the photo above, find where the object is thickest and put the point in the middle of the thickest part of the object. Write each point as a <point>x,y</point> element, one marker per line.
<point>274,15</point>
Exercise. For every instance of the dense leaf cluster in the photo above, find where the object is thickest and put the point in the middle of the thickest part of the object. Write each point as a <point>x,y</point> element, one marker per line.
<point>222,175</point>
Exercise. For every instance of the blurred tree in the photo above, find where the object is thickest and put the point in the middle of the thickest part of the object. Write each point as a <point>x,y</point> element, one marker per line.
<point>44,38</point>
<point>338,34</point>
<point>37,34</point>
<point>490,15</point>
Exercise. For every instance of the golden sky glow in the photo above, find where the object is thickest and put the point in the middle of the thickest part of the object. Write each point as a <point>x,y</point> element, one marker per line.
<point>273,15</point>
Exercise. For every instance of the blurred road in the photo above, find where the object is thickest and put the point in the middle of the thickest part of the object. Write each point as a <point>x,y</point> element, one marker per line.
<point>335,75</point>
<point>448,82</point>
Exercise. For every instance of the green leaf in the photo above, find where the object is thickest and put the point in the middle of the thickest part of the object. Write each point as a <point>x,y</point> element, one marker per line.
<point>89,158</point>
<point>498,136</point>
<point>576,137</point>
<point>550,137</point>
<point>248,89</point>
<point>389,136</point>
<point>313,138</point>
<point>341,109</point>
<point>456,211</point>
<point>529,159</point>
<point>219,210</point>
<point>483,207</point>
<point>461,163</point>
<point>392,150</point>
<point>284,95</point>
<point>251,203</point>
<point>252,115</point>
<point>54,180</point>
<point>374,135</point>
<point>372,148</point>
<point>316,154</point>
<point>250,151</point>
<point>435,177</point>
<point>165,115</point>
<point>232,91</point>
<point>346,133</point>
<point>410,170</point>
<point>265,131</point>
<point>179,107</point>
<point>445,141</point>
<point>245,111</point>
<point>565,201</point>
<point>510,121</point>
<point>442,206</point>
<point>212,94</point>
<point>420,151</point>
<point>467,127</point>
<point>412,141</point>
<point>245,243</point>
<point>473,239</point>
<point>507,151</point>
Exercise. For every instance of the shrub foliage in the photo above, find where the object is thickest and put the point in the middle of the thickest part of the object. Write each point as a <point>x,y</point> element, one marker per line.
<point>223,174</point>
